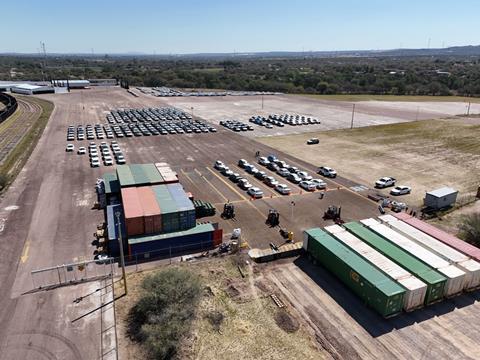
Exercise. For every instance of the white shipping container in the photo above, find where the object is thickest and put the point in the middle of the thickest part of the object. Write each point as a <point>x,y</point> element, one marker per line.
<point>415,288</point>
<point>305,241</point>
<point>455,277</point>
<point>463,262</point>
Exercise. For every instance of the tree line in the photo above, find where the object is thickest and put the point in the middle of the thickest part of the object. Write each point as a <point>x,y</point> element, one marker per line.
<point>441,75</point>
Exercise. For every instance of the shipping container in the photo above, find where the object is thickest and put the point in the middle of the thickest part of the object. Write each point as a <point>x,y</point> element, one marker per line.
<point>370,284</point>
<point>168,208</point>
<point>124,175</point>
<point>199,238</point>
<point>112,186</point>
<point>455,277</point>
<point>415,288</point>
<point>185,206</point>
<point>151,211</point>
<point>434,280</point>
<point>112,228</point>
<point>217,237</point>
<point>463,262</point>
<point>449,239</point>
<point>133,211</point>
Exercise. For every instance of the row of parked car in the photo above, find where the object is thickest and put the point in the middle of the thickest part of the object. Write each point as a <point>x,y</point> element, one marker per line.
<point>244,184</point>
<point>103,150</point>
<point>90,132</point>
<point>291,173</point>
<point>282,120</point>
<point>168,92</point>
<point>155,121</point>
<point>235,125</point>
<point>389,181</point>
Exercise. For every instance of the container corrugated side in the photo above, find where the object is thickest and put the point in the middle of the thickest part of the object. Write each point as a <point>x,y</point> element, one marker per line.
<point>370,284</point>
<point>196,239</point>
<point>416,289</point>
<point>152,173</point>
<point>139,175</point>
<point>133,211</point>
<point>460,260</point>
<point>442,236</point>
<point>434,280</point>
<point>151,211</point>
<point>455,278</point>
<point>168,207</point>
<point>125,176</point>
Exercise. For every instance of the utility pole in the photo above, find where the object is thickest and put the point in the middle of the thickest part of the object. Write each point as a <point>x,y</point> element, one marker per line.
<point>292,204</point>
<point>262,101</point>
<point>122,258</point>
<point>418,110</point>
<point>192,111</point>
<point>353,114</point>
<point>44,53</point>
<point>468,110</point>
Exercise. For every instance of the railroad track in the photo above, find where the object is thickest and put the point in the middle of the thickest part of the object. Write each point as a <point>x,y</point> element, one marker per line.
<point>13,130</point>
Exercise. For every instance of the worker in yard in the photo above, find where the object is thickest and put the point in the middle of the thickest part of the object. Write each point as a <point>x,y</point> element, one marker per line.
<point>257,154</point>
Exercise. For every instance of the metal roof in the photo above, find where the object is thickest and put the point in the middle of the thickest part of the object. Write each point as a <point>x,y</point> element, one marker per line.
<point>445,191</point>
<point>201,228</point>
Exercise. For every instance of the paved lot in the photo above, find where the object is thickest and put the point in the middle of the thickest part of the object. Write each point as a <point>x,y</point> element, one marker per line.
<point>346,329</point>
<point>332,114</point>
<point>46,218</point>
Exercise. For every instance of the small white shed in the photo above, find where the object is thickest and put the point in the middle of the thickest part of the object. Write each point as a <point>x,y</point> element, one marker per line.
<point>440,198</point>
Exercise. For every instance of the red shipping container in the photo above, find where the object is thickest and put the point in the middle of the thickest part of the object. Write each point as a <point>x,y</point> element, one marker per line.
<point>217,237</point>
<point>133,211</point>
<point>441,235</point>
<point>151,210</point>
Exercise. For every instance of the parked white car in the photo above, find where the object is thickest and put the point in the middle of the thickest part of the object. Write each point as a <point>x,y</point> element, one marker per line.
<point>304,175</point>
<point>319,183</point>
<point>283,189</point>
<point>81,151</point>
<point>255,192</point>
<point>283,172</point>
<point>385,182</point>
<point>401,190</point>
<point>308,185</point>
<point>263,161</point>
<point>70,148</point>
<point>327,171</point>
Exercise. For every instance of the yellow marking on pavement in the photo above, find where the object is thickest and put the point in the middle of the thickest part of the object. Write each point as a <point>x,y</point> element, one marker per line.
<point>226,183</point>
<point>186,175</point>
<point>25,251</point>
<point>235,190</point>
<point>209,183</point>
<point>272,195</point>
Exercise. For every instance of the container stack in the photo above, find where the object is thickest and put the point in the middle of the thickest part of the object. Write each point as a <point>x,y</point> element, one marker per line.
<point>427,263</point>
<point>203,208</point>
<point>169,176</point>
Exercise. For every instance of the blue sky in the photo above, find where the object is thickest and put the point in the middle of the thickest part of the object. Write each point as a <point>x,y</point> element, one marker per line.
<point>191,26</point>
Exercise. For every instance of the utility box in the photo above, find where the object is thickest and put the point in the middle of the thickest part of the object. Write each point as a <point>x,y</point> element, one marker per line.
<point>440,198</point>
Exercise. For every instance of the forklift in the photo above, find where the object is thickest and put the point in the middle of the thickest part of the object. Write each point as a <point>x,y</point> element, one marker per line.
<point>333,213</point>
<point>228,211</point>
<point>273,218</point>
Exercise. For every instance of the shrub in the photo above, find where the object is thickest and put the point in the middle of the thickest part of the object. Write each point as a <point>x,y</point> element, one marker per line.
<point>163,314</point>
<point>470,228</point>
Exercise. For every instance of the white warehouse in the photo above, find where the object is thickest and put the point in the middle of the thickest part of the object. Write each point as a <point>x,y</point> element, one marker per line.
<point>73,84</point>
<point>29,89</point>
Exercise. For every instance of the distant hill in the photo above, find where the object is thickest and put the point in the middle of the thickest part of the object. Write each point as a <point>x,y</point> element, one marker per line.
<point>470,50</point>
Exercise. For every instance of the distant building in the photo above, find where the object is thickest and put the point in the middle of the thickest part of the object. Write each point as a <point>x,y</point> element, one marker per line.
<point>29,89</point>
<point>73,84</point>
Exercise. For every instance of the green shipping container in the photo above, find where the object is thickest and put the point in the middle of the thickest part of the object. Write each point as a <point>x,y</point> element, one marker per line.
<point>369,283</point>
<point>434,280</point>
<point>168,208</point>
<point>125,176</point>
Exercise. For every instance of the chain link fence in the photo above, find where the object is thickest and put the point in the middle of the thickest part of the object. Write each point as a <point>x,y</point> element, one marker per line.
<point>73,273</point>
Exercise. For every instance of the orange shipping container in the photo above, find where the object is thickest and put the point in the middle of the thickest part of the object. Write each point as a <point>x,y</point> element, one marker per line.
<point>133,211</point>
<point>151,210</point>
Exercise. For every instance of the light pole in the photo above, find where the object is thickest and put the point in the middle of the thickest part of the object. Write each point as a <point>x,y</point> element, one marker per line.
<point>262,101</point>
<point>292,204</point>
<point>122,258</point>
<point>353,114</point>
<point>192,111</point>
